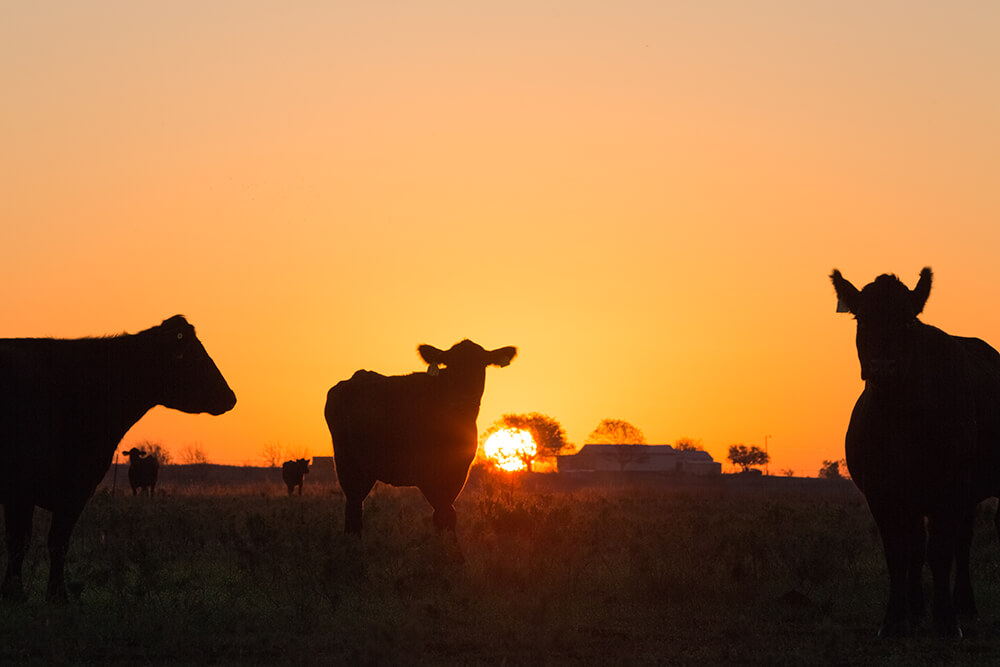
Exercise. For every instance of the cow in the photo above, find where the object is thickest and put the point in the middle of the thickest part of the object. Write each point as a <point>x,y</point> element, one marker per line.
<point>293,472</point>
<point>64,407</point>
<point>411,430</point>
<point>142,470</point>
<point>921,443</point>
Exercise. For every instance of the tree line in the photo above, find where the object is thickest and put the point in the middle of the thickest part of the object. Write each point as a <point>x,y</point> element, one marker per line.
<point>550,441</point>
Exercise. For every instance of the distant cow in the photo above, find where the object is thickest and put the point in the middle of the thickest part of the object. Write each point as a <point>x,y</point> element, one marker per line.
<point>64,407</point>
<point>411,430</point>
<point>293,472</point>
<point>922,442</point>
<point>142,470</point>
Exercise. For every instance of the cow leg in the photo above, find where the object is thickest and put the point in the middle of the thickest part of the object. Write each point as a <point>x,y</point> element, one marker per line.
<point>445,518</point>
<point>892,530</point>
<point>63,521</point>
<point>300,489</point>
<point>965,603</point>
<point>356,489</point>
<point>916,555</point>
<point>442,499</point>
<point>940,555</point>
<point>17,524</point>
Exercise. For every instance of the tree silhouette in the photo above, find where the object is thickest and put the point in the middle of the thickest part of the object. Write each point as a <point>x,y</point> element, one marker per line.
<point>273,454</point>
<point>746,457</point>
<point>616,432</point>
<point>688,445</point>
<point>548,434</point>
<point>625,435</point>
<point>831,470</point>
<point>192,454</point>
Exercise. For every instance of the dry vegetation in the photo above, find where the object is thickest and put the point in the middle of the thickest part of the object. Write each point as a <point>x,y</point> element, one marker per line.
<point>723,573</point>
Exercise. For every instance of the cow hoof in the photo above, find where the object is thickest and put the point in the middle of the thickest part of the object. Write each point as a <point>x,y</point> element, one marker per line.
<point>948,630</point>
<point>966,609</point>
<point>57,596</point>
<point>75,589</point>
<point>13,593</point>
<point>891,629</point>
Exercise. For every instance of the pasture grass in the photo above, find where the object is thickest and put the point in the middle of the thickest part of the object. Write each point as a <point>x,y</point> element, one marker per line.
<point>611,575</point>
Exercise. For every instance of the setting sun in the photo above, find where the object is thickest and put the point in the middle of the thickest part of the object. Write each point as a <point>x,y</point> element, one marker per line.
<point>509,449</point>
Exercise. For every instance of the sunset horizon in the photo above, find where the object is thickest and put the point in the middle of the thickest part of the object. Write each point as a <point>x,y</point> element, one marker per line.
<point>646,200</point>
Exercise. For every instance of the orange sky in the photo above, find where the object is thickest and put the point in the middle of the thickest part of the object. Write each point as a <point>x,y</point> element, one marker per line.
<point>645,197</point>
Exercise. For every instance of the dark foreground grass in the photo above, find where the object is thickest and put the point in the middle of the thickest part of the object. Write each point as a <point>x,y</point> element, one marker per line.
<point>628,576</point>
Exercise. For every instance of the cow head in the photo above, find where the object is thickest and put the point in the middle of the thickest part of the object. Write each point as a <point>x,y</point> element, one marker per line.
<point>465,366</point>
<point>886,312</point>
<point>465,356</point>
<point>187,377</point>
<point>135,453</point>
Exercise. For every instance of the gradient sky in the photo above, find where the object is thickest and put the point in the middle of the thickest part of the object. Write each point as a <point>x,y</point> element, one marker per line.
<point>646,198</point>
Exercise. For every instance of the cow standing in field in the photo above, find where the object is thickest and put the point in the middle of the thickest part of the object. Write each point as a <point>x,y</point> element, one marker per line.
<point>64,407</point>
<point>293,473</point>
<point>142,471</point>
<point>411,430</point>
<point>922,443</point>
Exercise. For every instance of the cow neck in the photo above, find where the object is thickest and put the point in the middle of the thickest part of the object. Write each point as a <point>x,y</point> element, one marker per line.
<point>129,379</point>
<point>463,390</point>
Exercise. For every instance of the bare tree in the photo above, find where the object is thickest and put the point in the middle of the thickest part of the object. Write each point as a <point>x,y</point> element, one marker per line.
<point>273,454</point>
<point>296,452</point>
<point>192,454</point>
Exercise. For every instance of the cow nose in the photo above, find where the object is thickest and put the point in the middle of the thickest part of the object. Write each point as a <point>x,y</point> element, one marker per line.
<point>883,368</point>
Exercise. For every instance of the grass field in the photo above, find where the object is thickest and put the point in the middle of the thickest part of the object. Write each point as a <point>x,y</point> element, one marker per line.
<point>696,574</point>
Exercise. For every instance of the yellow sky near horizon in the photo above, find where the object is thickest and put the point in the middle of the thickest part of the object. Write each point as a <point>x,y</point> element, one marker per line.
<point>646,199</point>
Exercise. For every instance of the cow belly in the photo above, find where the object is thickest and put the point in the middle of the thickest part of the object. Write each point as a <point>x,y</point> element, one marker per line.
<point>400,464</point>
<point>421,472</point>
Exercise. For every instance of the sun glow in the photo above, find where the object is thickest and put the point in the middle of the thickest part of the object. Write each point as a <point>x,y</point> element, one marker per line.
<point>510,449</point>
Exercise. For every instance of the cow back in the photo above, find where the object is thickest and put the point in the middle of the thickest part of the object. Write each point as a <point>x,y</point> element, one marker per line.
<point>402,430</point>
<point>56,395</point>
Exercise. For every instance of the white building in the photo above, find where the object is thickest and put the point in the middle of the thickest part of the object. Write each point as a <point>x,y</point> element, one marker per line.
<point>639,458</point>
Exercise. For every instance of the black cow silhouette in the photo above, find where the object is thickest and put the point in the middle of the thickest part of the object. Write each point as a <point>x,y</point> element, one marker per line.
<point>293,472</point>
<point>921,437</point>
<point>142,470</point>
<point>411,430</point>
<point>64,407</point>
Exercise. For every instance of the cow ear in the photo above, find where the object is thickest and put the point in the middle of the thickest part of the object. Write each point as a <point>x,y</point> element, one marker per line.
<point>847,294</point>
<point>502,356</point>
<point>920,293</point>
<point>430,354</point>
